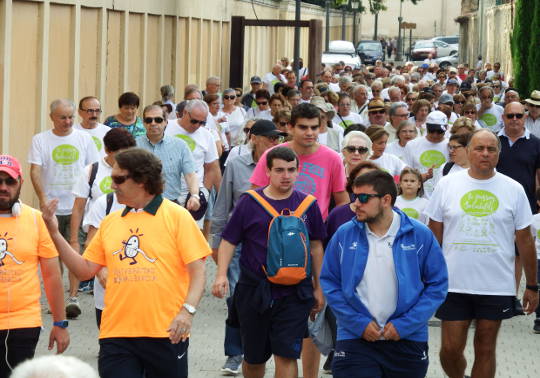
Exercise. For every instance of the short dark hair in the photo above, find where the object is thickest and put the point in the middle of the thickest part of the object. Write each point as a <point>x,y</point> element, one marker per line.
<point>382,182</point>
<point>81,102</point>
<point>304,110</point>
<point>147,108</point>
<point>282,153</point>
<point>366,164</point>
<point>305,81</point>
<point>354,127</point>
<point>462,139</point>
<point>118,139</point>
<point>128,99</point>
<point>537,194</point>
<point>262,93</point>
<point>144,168</point>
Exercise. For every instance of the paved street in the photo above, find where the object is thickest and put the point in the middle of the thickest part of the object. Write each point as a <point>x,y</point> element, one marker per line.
<point>518,348</point>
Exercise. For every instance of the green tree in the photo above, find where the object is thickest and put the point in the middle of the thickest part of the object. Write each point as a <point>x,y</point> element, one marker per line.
<point>373,6</point>
<point>534,51</point>
<point>521,42</point>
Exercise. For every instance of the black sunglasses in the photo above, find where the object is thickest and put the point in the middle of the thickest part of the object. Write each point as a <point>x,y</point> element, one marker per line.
<point>364,197</point>
<point>262,103</point>
<point>353,149</point>
<point>283,123</point>
<point>229,97</point>
<point>378,112</point>
<point>196,121</point>
<point>119,180</point>
<point>459,102</point>
<point>9,181</point>
<point>155,119</point>
<point>247,130</point>
<point>514,115</point>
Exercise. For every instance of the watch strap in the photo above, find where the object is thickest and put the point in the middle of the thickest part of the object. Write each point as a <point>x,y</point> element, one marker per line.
<point>189,308</point>
<point>61,324</point>
<point>532,287</point>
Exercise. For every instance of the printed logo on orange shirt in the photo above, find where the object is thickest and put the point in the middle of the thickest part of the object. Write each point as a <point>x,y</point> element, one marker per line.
<point>4,251</point>
<point>131,248</point>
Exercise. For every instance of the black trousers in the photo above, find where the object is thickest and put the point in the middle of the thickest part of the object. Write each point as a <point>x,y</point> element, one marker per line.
<point>21,345</point>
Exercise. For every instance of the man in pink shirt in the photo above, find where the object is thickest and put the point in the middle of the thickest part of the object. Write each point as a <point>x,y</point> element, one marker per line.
<point>321,173</point>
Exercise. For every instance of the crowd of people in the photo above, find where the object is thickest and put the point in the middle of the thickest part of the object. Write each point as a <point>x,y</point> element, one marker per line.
<point>362,201</point>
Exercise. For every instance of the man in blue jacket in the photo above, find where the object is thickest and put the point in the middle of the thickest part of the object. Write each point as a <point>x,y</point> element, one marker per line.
<point>384,276</point>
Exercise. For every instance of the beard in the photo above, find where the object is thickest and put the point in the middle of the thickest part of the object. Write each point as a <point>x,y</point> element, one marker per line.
<point>362,217</point>
<point>7,204</point>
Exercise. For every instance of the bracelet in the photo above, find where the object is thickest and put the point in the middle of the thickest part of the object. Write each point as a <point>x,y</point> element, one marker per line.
<point>196,196</point>
<point>532,287</point>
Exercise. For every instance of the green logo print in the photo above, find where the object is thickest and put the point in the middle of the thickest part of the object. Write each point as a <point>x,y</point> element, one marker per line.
<point>411,213</point>
<point>346,123</point>
<point>431,158</point>
<point>105,185</point>
<point>65,154</point>
<point>489,119</point>
<point>98,143</point>
<point>190,142</point>
<point>479,203</point>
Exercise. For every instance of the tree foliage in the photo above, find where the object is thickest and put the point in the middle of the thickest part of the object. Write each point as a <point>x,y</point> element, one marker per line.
<point>522,37</point>
<point>534,51</point>
<point>373,6</point>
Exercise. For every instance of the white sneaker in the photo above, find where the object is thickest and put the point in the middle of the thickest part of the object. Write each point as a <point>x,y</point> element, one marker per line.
<point>73,309</point>
<point>232,365</point>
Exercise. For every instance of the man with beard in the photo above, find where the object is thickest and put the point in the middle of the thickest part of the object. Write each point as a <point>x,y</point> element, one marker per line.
<point>23,250</point>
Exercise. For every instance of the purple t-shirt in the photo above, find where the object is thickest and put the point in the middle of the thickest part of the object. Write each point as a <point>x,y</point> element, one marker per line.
<point>249,225</point>
<point>337,217</point>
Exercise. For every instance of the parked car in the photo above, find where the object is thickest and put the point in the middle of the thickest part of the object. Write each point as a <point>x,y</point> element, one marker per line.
<point>452,40</point>
<point>450,60</point>
<point>423,48</point>
<point>341,51</point>
<point>370,51</point>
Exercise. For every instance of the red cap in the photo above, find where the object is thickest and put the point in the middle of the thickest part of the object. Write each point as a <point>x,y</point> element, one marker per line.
<point>10,165</point>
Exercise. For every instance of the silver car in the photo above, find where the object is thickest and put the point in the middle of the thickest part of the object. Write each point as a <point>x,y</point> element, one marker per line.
<point>450,60</point>
<point>341,51</point>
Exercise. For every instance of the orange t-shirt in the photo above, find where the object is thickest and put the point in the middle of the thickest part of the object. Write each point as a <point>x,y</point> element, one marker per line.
<point>146,256</point>
<point>23,240</point>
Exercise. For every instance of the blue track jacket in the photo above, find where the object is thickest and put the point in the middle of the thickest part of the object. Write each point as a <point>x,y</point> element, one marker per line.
<point>421,273</point>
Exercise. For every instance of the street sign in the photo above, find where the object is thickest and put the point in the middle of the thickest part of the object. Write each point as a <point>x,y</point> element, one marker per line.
<point>408,25</point>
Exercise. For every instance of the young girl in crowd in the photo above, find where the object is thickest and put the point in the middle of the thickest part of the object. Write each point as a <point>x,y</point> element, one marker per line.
<point>410,199</point>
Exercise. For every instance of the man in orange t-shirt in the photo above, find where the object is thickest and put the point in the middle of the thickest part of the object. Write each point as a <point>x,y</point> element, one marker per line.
<point>25,245</point>
<point>154,253</point>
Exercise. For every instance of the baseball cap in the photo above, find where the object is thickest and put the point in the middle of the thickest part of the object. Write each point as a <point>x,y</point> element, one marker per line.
<point>10,165</point>
<point>425,65</point>
<point>452,81</point>
<point>436,121</point>
<point>324,106</point>
<point>255,80</point>
<point>265,127</point>
<point>465,86</point>
<point>375,105</point>
<point>446,99</point>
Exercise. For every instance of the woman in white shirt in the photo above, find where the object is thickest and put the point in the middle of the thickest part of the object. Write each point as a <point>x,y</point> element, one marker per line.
<point>344,116</point>
<point>233,116</point>
<point>420,110</point>
<point>406,131</point>
<point>356,148</point>
<point>387,162</point>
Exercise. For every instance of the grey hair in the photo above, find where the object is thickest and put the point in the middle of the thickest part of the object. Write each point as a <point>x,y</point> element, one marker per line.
<point>393,88</point>
<point>395,106</point>
<point>416,76</point>
<point>213,79</point>
<point>229,90</point>
<point>345,80</point>
<point>358,134</point>
<point>62,102</point>
<point>358,87</point>
<point>54,366</point>
<point>397,78</point>
<point>167,91</point>
<point>194,104</point>
<point>377,83</point>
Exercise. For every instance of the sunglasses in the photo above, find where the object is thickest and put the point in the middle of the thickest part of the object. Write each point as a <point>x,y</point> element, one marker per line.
<point>119,180</point>
<point>155,119</point>
<point>196,121</point>
<point>9,181</point>
<point>378,112</point>
<point>514,115</point>
<point>364,197</point>
<point>459,102</point>
<point>247,130</point>
<point>470,112</point>
<point>353,149</point>
<point>262,103</point>
<point>229,97</point>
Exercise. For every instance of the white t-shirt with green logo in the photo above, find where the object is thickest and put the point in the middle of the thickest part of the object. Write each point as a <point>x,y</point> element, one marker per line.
<point>492,118</point>
<point>480,218</point>
<point>389,163</point>
<point>97,134</point>
<point>346,121</point>
<point>201,144</point>
<point>101,185</point>
<point>62,160</point>
<point>413,208</point>
<point>535,229</point>
<point>421,154</point>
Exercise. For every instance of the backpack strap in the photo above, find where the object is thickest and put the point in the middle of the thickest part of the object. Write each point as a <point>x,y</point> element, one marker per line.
<point>264,203</point>
<point>304,206</point>
<point>93,173</point>
<point>447,167</point>
<point>110,197</point>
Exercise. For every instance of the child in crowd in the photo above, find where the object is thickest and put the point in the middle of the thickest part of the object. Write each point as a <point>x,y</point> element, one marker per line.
<point>411,191</point>
<point>535,228</point>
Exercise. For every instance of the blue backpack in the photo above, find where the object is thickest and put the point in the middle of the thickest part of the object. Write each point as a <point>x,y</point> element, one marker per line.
<point>288,258</point>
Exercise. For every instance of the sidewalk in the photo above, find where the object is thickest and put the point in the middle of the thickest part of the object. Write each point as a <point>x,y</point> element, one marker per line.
<point>518,348</point>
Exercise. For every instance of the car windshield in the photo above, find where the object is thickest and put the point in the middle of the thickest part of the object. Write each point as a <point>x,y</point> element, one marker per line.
<point>374,46</point>
<point>341,47</point>
<point>423,44</point>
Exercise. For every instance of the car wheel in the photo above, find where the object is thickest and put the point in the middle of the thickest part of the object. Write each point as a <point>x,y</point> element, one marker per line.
<point>443,65</point>
<point>453,52</point>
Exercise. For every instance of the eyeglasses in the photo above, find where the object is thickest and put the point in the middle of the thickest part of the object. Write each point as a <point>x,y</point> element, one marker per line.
<point>9,181</point>
<point>262,103</point>
<point>453,148</point>
<point>514,115</point>
<point>196,121</point>
<point>225,97</point>
<point>155,119</point>
<point>283,123</point>
<point>459,102</point>
<point>90,111</point>
<point>377,112</point>
<point>486,98</point>
<point>470,112</point>
<point>247,130</point>
<point>119,180</point>
<point>353,149</point>
<point>364,197</point>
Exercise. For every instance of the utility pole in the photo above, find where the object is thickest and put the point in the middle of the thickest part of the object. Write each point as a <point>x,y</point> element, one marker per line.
<point>327,37</point>
<point>399,41</point>
<point>376,26</point>
<point>297,42</point>
<point>354,5</point>
<point>343,22</point>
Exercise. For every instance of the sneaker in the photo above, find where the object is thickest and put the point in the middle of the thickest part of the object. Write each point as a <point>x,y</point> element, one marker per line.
<point>327,367</point>
<point>73,309</point>
<point>536,328</point>
<point>86,288</point>
<point>232,365</point>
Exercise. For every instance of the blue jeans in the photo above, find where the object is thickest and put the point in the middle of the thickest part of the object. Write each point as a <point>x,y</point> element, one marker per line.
<point>233,341</point>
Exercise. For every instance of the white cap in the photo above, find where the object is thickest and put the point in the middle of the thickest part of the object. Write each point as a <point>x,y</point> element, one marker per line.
<point>437,118</point>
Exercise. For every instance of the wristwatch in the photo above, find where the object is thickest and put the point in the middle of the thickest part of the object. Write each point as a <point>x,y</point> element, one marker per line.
<point>189,308</point>
<point>532,287</point>
<point>61,324</point>
<point>196,196</point>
